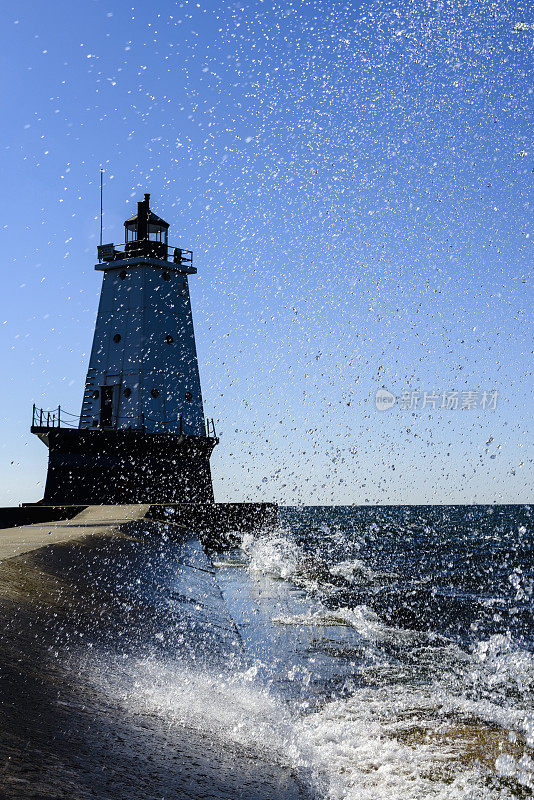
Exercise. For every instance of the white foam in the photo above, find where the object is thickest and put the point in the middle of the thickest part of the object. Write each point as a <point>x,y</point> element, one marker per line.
<point>230,706</point>
<point>502,664</point>
<point>361,618</point>
<point>380,744</point>
<point>278,556</point>
<point>272,555</point>
<point>354,571</point>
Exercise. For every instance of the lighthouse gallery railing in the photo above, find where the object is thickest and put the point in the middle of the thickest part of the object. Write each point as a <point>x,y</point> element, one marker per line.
<point>59,418</point>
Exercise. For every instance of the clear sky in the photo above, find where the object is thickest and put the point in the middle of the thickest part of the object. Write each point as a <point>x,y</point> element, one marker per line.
<point>356,183</point>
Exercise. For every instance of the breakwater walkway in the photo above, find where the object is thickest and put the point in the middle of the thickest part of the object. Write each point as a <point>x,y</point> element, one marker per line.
<point>118,658</point>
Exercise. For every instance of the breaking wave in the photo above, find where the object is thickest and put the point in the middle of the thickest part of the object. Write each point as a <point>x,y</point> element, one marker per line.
<point>423,717</point>
<point>389,743</point>
<point>433,718</point>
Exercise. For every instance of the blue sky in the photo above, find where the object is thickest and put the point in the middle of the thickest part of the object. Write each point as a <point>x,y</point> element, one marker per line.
<point>355,181</point>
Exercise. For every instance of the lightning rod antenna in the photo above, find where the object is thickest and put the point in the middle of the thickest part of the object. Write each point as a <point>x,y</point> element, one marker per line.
<point>101,197</point>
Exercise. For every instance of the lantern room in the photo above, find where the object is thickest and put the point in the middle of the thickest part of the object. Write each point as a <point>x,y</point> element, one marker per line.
<point>146,234</point>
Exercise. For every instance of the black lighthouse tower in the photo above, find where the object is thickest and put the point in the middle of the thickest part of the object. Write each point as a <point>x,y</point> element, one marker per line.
<point>141,436</point>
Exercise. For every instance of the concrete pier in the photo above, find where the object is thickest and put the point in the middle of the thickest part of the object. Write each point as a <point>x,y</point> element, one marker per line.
<point>92,520</point>
<point>108,617</point>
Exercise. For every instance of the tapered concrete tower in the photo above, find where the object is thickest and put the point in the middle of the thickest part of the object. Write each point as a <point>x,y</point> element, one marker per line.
<point>143,369</point>
<point>141,435</point>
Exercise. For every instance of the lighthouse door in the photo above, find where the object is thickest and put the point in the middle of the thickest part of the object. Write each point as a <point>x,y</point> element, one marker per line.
<point>106,406</point>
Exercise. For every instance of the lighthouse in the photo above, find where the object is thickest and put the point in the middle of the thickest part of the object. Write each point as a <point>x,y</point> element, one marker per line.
<point>141,435</point>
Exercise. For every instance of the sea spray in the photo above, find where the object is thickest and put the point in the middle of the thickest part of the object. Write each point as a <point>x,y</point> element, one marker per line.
<point>442,710</point>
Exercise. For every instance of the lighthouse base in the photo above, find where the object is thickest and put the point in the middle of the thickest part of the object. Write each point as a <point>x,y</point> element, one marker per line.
<point>108,467</point>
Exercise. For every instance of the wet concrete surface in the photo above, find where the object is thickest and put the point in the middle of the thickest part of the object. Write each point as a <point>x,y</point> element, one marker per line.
<point>73,613</point>
<point>93,519</point>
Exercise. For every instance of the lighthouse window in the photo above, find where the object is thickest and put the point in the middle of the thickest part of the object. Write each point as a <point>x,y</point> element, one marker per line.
<point>154,392</point>
<point>169,339</point>
<point>96,393</point>
<point>188,396</point>
<point>166,276</point>
<point>117,338</point>
<point>127,392</point>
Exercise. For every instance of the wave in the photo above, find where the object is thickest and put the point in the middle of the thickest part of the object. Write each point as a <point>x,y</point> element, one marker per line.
<point>361,618</point>
<point>432,719</point>
<point>502,664</point>
<point>230,709</point>
<point>354,571</point>
<point>392,743</point>
<point>279,556</point>
<point>401,742</point>
<point>273,555</point>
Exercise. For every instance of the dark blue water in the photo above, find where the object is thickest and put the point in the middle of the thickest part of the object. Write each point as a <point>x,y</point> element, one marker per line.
<point>466,572</point>
<point>404,638</point>
<point>376,653</point>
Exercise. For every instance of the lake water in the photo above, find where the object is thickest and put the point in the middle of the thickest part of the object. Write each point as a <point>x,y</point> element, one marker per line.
<point>398,642</point>
<point>348,654</point>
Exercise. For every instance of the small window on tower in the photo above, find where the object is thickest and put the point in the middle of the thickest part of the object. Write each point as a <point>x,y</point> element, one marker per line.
<point>154,392</point>
<point>127,392</point>
<point>96,394</point>
<point>169,339</point>
<point>166,276</point>
<point>117,338</point>
<point>122,274</point>
<point>188,396</point>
